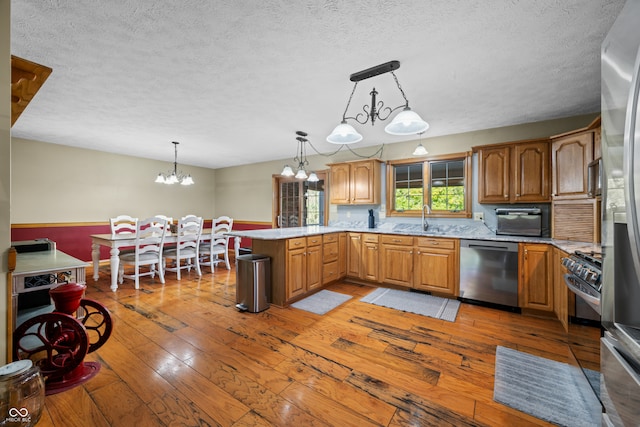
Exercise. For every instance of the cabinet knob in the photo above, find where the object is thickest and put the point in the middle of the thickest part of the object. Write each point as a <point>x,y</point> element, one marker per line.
<point>506,196</point>
<point>517,195</point>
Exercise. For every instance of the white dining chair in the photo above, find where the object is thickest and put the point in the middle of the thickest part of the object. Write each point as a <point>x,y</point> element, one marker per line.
<point>123,224</point>
<point>217,243</point>
<point>147,251</point>
<point>168,219</point>
<point>187,246</point>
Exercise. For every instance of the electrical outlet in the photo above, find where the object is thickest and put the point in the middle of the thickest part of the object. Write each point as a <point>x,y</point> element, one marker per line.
<point>478,216</point>
<point>348,214</point>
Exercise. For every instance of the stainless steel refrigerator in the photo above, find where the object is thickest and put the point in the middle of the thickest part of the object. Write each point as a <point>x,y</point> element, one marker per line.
<point>620,300</point>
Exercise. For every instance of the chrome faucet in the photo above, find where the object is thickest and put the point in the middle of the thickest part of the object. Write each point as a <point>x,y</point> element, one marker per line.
<point>425,224</point>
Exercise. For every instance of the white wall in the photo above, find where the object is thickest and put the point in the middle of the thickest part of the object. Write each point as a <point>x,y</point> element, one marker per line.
<point>59,184</point>
<point>5,165</point>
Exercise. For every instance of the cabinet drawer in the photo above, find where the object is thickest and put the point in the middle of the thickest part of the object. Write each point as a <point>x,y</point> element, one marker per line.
<point>434,242</point>
<point>370,238</point>
<point>329,272</point>
<point>314,240</point>
<point>330,252</point>
<point>299,242</point>
<point>327,238</point>
<point>397,240</point>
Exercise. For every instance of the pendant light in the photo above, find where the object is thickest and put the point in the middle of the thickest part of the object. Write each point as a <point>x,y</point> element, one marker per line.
<point>420,150</point>
<point>173,176</point>
<point>407,122</point>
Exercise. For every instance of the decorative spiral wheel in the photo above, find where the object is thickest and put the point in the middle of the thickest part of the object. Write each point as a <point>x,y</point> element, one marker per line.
<point>56,342</point>
<point>97,321</point>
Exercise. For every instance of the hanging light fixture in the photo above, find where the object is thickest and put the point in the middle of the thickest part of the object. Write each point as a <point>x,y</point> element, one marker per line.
<point>302,161</point>
<point>173,176</point>
<point>420,150</point>
<point>407,122</point>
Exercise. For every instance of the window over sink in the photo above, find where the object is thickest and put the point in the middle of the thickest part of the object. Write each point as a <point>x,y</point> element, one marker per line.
<point>442,182</point>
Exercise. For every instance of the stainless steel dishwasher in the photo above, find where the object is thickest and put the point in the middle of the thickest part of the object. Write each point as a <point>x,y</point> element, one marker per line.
<point>489,272</point>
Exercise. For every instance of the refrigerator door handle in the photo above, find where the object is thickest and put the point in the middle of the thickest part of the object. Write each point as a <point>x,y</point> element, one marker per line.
<point>632,156</point>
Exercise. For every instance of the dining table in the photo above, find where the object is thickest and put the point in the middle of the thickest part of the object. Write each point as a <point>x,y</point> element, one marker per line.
<point>117,241</point>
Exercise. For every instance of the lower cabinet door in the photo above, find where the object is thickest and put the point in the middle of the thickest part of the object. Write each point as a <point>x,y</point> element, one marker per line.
<point>314,267</point>
<point>397,265</point>
<point>296,272</point>
<point>435,270</point>
<point>370,262</point>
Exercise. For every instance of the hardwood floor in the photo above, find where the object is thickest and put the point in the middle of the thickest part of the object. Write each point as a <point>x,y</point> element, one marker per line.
<point>181,354</point>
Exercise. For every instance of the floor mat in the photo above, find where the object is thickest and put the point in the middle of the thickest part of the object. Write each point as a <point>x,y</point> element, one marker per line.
<point>549,390</point>
<point>413,302</point>
<point>321,302</point>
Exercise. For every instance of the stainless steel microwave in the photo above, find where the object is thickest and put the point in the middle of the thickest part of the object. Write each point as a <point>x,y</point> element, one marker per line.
<point>595,178</point>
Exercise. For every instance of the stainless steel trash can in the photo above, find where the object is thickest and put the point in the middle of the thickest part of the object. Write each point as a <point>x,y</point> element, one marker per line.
<point>253,282</point>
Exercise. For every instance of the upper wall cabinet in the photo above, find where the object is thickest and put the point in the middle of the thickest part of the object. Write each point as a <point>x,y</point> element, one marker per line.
<point>515,172</point>
<point>355,182</point>
<point>570,158</point>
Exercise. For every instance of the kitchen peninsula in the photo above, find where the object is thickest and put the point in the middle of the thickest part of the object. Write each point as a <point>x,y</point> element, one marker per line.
<point>305,259</point>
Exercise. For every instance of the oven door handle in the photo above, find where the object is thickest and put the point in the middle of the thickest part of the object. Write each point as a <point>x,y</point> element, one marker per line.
<point>594,302</point>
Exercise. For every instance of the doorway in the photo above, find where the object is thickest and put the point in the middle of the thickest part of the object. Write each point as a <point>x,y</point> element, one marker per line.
<point>299,203</point>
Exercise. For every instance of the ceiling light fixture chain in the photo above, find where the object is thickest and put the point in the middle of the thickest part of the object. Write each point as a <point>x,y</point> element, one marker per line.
<point>406,101</point>
<point>173,176</point>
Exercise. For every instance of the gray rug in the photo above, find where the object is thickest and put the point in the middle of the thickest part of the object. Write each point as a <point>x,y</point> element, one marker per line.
<point>413,302</point>
<point>549,390</point>
<point>321,302</point>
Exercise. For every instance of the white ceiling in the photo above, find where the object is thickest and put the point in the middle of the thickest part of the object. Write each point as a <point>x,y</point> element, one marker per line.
<point>233,80</point>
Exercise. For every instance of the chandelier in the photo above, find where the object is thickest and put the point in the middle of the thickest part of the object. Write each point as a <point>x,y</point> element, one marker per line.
<point>407,122</point>
<point>302,161</point>
<point>173,176</point>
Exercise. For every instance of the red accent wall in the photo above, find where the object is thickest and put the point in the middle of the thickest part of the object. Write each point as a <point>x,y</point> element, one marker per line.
<point>246,242</point>
<point>75,240</point>
<point>72,240</point>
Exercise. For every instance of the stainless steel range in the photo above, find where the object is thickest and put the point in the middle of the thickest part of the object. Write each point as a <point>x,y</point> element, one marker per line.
<point>585,277</point>
<point>584,280</point>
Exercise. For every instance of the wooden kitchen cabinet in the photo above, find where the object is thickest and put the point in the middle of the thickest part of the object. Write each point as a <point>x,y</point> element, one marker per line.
<point>342,255</point>
<point>494,172</point>
<point>535,290</point>
<point>296,267</point>
<point>570,158</point>
<point>304,265</point>
<point>437,265</point>
<point>314,262</point>
<point>370,258</point>
<point>515,172</point>
<point>355,182</point>
<point>354,254</point>
<point>560,290</point>
<point>396,256</point>
<point>331,257</point>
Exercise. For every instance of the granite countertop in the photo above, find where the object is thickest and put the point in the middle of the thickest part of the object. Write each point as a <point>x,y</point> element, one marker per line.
<point>468,230</point>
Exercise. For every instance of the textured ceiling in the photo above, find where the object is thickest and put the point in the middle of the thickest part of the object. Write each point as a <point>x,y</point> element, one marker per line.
<point>233,80</point>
